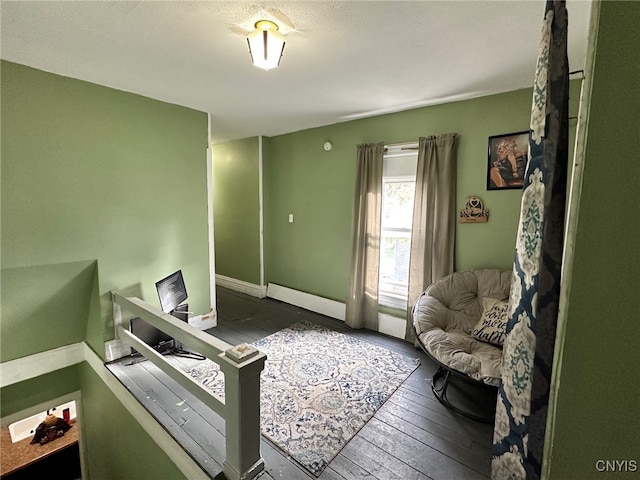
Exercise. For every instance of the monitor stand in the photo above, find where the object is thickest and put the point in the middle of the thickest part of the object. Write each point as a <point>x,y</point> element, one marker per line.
<point>182,312</point>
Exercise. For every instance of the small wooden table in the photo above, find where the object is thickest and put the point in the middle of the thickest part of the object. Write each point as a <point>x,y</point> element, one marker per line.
<point>18,455</point>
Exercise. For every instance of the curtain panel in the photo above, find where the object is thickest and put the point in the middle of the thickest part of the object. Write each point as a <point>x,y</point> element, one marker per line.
<point>362,299</point>
<point>523,396</point>
<point>434,217</point>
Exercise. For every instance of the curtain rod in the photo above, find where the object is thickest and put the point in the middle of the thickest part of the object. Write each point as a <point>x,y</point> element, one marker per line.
<point>403,146</point>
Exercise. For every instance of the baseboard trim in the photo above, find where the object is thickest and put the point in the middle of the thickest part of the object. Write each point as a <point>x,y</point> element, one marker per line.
<point>392,326</point>
<point>26,368</point>
<point>314,303</point>
<point>387,324</point>
<point>259,291</point>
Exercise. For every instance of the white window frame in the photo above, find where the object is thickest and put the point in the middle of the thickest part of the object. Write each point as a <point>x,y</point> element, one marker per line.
<point>386,296</point>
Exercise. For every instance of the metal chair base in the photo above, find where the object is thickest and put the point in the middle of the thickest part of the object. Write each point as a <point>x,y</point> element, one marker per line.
<point>439,384</point>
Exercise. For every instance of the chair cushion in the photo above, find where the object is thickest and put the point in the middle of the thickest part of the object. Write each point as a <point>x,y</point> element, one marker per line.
<point>460,351</point>
<point>445,315</point>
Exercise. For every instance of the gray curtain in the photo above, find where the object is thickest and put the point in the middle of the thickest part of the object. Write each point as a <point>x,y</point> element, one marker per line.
<point>434,217</point>
<point>362,299</point>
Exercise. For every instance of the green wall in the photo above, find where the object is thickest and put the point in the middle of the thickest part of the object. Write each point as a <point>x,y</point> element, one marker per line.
<point>236,209</point>
<point>38,390</point>
<point>92,174</point>
<point>312,254</point>
<point>45,306</point>
<point>100,189</point>
<point>118,446</point>
<point>596,416</point>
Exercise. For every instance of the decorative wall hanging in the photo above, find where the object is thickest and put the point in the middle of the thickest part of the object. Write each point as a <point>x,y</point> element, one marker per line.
<point>474,211</point>
<point>507,160</point>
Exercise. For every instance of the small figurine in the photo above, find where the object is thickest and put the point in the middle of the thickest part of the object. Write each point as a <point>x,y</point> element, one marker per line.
<point>51,428</point>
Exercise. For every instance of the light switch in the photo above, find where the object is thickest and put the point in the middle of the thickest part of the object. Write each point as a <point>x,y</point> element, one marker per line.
<point>291,218</point>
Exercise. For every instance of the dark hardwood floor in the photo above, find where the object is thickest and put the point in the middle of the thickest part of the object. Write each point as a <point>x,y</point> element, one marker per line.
<point>411,437</point>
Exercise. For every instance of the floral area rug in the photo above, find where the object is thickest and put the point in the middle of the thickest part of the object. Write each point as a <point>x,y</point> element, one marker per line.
<point>318,389</point>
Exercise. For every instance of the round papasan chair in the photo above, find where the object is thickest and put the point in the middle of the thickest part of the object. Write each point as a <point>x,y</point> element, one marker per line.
<point>460,322</point>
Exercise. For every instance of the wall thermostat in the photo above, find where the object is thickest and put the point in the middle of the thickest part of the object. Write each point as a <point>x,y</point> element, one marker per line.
<point>328,146</point>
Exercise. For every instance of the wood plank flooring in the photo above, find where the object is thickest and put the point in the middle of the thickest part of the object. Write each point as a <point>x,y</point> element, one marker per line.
<point>411,437</point>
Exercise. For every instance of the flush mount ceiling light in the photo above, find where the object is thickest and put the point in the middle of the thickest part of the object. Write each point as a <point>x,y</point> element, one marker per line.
<point>266,45</point>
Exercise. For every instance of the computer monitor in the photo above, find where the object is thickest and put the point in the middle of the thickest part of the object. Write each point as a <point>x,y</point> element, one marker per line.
<point>156,339</point>
<point>171,291</point>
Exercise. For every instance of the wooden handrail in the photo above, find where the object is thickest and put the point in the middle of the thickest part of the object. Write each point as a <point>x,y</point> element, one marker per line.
<point>240,364</point>
<point>186,334</point>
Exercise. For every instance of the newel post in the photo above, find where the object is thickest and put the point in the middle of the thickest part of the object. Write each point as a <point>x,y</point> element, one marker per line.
<point>241,366</point>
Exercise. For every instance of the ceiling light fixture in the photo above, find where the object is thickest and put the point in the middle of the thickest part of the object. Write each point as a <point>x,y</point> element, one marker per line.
<point>266,45</point>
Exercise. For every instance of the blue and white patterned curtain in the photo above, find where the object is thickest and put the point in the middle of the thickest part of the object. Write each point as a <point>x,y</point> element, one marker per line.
<point>521,412</point>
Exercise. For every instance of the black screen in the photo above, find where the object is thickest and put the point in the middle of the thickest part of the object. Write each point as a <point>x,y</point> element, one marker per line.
<point>171,291</point>
<point>150,335</point>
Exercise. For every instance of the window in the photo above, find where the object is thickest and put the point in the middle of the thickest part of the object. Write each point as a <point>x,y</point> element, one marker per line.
<point>398,189</point>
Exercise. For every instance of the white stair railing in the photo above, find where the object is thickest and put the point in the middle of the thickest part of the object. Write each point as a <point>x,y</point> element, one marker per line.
<point>241,366</point>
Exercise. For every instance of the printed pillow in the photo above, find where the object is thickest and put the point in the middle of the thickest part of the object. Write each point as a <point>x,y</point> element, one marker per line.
<point>492,326</point>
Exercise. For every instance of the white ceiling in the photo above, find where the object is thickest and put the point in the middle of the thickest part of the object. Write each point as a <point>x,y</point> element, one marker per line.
<point>342,60</point>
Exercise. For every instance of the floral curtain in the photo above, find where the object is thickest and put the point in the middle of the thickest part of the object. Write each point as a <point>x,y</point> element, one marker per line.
<point>521,411</point>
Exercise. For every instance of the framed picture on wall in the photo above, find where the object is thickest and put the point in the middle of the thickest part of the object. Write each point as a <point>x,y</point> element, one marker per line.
<point>507,160</point>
